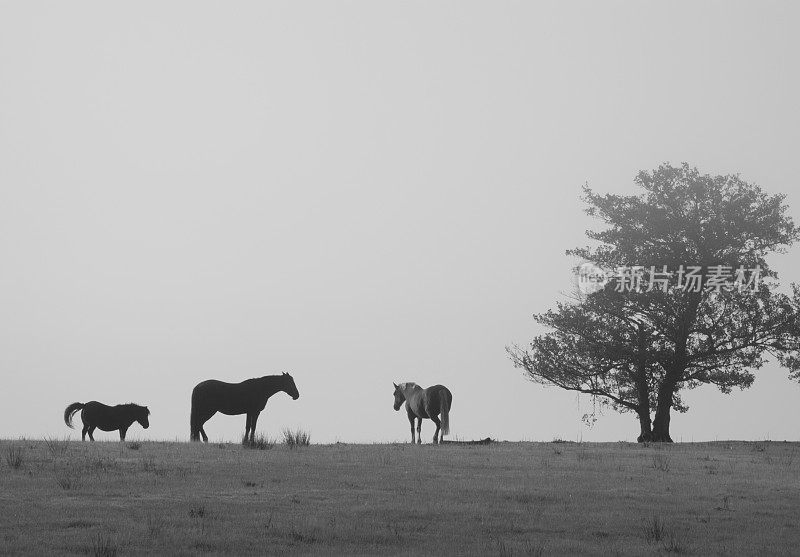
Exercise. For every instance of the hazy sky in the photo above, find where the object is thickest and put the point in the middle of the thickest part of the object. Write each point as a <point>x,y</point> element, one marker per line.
<point>356,192</point>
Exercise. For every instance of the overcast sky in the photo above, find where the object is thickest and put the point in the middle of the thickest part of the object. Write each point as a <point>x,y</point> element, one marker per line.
<point>355,192</point>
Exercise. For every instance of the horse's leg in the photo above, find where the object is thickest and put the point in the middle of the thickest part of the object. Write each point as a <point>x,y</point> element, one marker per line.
<point>247,422</point>
<point>419,430</point>
<point>85,429</point>
<point>253,420</point>
<point>91,431</point>
<point>122,432</point>
<point>202,419</point>
<point>411,417</point>
<point>438,423</point>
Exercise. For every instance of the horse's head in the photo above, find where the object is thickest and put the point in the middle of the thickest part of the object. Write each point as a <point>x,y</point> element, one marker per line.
<point>142,417</point>
<point>399,396</point>
<point>289,387</point>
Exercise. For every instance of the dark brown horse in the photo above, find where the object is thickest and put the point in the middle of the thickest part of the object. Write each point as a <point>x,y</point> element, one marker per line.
<point>425,403</point>
<point>248,397</point>
<point>108,418</point>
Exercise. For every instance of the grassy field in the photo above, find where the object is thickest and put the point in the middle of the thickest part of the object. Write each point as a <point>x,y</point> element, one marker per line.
<point>502,499</point>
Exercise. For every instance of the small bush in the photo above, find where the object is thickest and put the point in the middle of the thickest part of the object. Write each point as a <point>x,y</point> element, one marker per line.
<point>260,442</point>
<point>57,447</point>
<point>15,457</point>
<point>298,438</point>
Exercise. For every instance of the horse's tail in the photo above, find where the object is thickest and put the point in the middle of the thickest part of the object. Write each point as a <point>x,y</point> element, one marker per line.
<point>70,412</point>
<point>447,399</point>
<point>194,419</point>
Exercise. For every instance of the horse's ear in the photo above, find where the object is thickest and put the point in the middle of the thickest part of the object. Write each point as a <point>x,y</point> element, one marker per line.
<point>395,385</point>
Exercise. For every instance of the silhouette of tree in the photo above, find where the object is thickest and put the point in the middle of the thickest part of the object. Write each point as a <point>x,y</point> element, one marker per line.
<point>702,307</point>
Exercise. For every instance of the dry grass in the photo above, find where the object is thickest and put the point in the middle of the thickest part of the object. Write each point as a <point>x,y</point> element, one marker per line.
<point>107,498</point>
<point>260,442</point>
<point>296,438</point>
<point>15,457</point>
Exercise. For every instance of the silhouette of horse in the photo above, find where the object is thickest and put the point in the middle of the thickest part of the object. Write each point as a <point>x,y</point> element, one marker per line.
<point>425,403</point>
<point>248,397</point>
<point>108,418</point>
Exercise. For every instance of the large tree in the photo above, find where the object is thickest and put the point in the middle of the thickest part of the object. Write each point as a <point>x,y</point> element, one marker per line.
<point>693,302</point>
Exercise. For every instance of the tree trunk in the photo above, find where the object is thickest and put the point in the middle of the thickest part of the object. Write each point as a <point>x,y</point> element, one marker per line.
<point>661,421</point>
<point>661,428</point>
<point>646,434</point>
<point>675,372</point>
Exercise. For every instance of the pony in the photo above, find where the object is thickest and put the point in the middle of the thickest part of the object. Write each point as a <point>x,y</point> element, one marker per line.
<point>425,403</point>
<point>108,418</point>
<point>248,397</point>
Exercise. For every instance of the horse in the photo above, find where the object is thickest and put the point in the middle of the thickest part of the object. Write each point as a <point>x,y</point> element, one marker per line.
<point>108,418</point>
<point>425,403</point>
<point>248,397</point>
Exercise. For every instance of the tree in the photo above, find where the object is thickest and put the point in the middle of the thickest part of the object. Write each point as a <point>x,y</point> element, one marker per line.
<point>702,306</point>
<point>599,347</point>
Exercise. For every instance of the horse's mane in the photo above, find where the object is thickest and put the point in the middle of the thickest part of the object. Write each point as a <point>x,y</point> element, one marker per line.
<point>133,405</point>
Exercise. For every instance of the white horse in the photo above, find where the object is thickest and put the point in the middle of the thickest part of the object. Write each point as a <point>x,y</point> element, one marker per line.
<point>425,403</point>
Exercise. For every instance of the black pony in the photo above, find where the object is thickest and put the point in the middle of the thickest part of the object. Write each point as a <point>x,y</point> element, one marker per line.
<point>248,397</point>
<point>108,418</point>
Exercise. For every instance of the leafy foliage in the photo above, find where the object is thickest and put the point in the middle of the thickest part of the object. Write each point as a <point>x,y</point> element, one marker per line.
<point>638,349</point>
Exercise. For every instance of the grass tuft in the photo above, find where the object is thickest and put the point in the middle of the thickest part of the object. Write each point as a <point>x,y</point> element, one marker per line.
<point>675,544</point>
<point>654,529</point>
<point>57,447</point>
<point>155,526</point>
<point>15,457</point>
<point>297,438</point>
<point>260,442</point>
<point>103,546</point>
